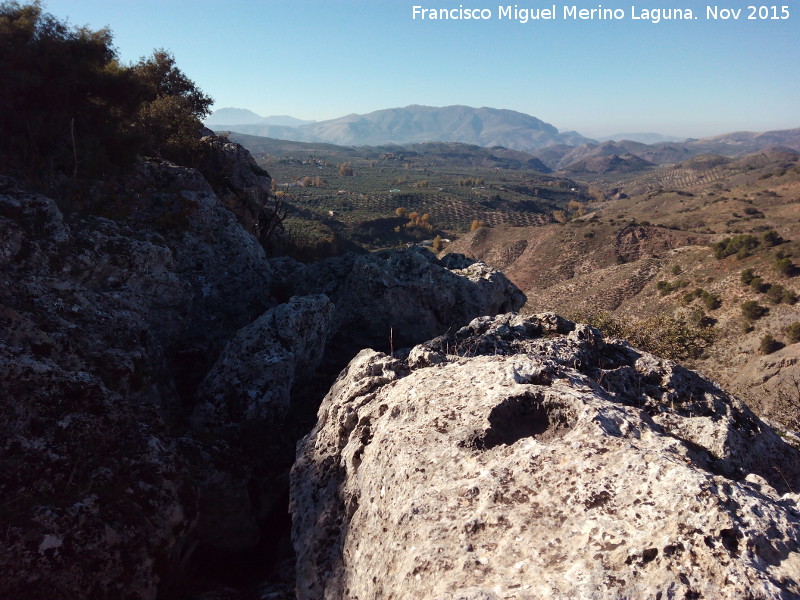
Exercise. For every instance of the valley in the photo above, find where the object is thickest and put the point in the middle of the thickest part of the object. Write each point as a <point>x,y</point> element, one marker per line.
<point>622,244</point>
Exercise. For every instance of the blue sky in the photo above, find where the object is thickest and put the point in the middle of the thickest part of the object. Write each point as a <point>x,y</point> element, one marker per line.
<point>323,59</point>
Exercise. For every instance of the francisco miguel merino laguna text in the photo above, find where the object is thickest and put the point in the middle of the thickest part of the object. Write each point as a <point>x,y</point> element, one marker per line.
<point>572,12</point>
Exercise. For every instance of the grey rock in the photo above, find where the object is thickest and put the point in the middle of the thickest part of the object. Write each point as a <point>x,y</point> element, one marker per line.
<point>254,375</point>
<point>243,403</point>
<point>399,298</point>
<point>96,499</point>
<point>529,457</point>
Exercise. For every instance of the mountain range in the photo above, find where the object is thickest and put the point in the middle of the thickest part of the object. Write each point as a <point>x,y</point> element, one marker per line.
<point>486,127</point>
<point>243,116</point>
<point>492,128</point>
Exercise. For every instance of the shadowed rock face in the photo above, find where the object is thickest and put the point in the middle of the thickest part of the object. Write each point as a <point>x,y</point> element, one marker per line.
<point>528,457</point>
<point>399,298</point>
<point>148,373</point>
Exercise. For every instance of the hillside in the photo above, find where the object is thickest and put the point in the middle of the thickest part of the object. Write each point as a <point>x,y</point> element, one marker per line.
<point>647,248</point>
<point>663,153</point>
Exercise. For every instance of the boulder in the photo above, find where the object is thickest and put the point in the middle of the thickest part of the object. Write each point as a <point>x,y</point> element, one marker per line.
<point>528,457</point>
<point>398,298</point>
<point>111,314</point>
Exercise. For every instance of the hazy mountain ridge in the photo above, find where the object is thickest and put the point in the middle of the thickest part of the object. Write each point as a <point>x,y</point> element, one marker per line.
<point>455,152</point>
<point>734,144</point>
<point>243,116</point>
<point>414,124</point>
<point>493,128</point>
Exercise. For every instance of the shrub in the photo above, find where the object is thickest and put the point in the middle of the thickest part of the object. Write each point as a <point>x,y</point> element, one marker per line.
<point>667,287</point>
<point>740,245</point>
<point>769,344</point>
<point>785,267</point>
<point>757,284</point>
<point>775,293</point>
<point>771,238</point>
<point>747,276</point>
<point>711,301</point>
<point>793,332</point>
<point>752,310</point>
<point>67,106</point>
<point>664,336</point>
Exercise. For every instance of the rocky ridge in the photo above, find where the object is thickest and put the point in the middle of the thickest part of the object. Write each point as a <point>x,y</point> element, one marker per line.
<point>529,457</point>
<point>150,356</point>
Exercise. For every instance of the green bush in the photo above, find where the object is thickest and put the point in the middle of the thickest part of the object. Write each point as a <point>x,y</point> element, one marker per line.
<point>667,287</point>
<point>752,310</point>
<point>769,344</point>
<point>747,276</point>
<point>775,293</point>
<point>793,332</point>
<point>757,284</point>
<point>785,267</point>
<point>740,245</point>
<point>664,336</point>
<point>711,301</point>
<point>771,238</point>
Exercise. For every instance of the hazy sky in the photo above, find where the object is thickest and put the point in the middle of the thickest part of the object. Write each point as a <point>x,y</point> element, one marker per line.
<point>323,59</point>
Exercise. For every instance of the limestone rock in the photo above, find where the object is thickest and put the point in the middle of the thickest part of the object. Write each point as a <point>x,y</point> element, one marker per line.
<point>110,316</point>
<point>529,457</point>
<point>96,500</point>
<point>399,298</point>
<point>254,375</point>
<point>240,184</point>
<point>243,403</point>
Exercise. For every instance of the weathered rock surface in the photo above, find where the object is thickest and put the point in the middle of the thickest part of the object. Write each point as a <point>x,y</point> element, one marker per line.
<point>399,298</point>
<point>242,403</point>
<point>241,186</point>
<point>528,457</point>
<point>106,315</point>
<point>95,499</point>
<point>148,358</point>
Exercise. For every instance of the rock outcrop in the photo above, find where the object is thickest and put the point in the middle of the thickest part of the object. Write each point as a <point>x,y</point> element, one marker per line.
<point>399,298</point>
<point>243,403</point>
<point>150,359</point>
<point>110,317</point>
<point>529,457</point>
<point>96,501</point>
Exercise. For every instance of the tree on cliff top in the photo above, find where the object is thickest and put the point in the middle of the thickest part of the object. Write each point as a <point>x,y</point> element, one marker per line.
<point>69,107</point>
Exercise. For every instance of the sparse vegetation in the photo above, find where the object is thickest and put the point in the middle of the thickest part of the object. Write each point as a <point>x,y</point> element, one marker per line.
<point>793,332</point>
<point>740,245</point>
<point>476,224</point>
<point>785,267</point>
<point>72,109</point>
<point>667,287</point>
<point>665,336</point>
